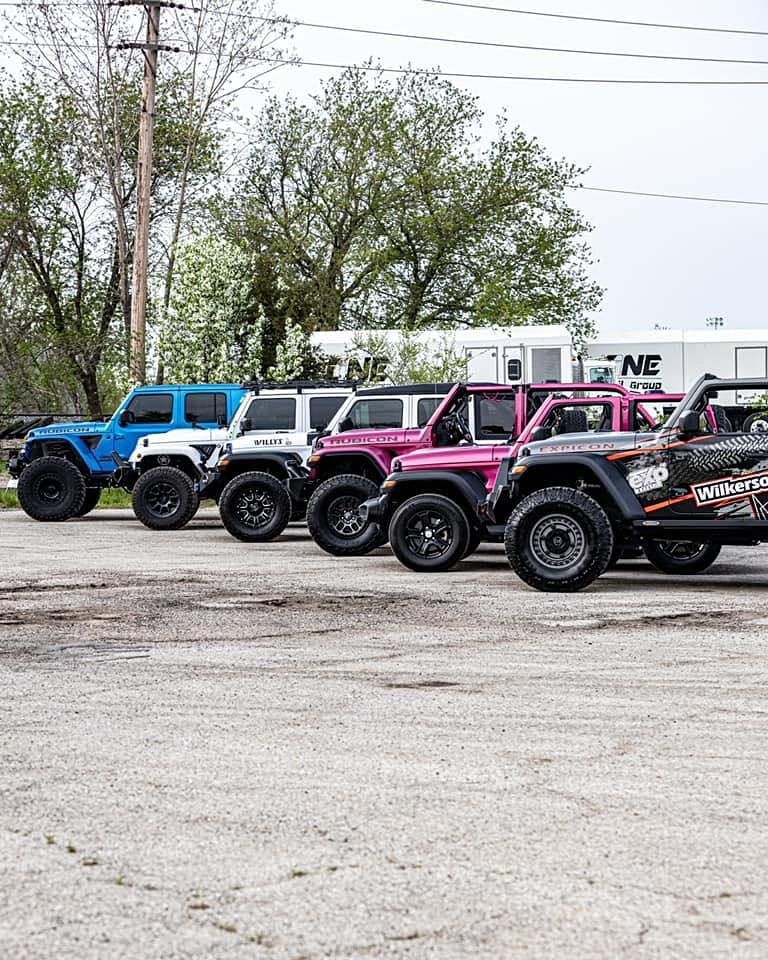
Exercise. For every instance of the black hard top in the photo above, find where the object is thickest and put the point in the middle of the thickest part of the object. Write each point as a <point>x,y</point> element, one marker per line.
<point>409,390</point>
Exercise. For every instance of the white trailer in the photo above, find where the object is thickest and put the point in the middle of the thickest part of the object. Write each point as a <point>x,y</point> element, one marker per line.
<point>520,355</point>
<point>671,360</point>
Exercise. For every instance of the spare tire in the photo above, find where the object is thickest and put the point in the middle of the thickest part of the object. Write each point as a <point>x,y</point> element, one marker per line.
<point>51,489</point>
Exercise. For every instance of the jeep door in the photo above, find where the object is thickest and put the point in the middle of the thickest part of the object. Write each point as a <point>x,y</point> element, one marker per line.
<point>144,413</point>
<point>717,466</point>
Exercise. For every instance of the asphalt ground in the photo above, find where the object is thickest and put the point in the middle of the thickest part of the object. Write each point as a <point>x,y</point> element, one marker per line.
<point>210,749</point>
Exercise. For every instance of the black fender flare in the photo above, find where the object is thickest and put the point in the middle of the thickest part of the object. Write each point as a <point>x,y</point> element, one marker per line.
<point>284,463</point>
<point>603,470</point>
<point>467,487</point>
<point>328,456</point>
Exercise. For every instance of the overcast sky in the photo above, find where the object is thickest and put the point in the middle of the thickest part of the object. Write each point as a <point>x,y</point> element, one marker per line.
<point>672,262</point>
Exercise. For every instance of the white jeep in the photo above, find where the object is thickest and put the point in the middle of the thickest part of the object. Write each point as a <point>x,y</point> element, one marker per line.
<point>169,471</point>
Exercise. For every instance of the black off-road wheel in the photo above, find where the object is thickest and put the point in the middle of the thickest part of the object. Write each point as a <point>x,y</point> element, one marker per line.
<point>429,533</point>
<point>333,519</point>
<point>51,489</point>
<point>681,556</point>
<point>92,497</point>
<point>559,540</point>
<point>255,507</point>
<point>164,498</point>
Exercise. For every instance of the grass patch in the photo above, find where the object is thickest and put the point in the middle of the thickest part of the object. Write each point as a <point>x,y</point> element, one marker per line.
<point>114,498</point>
<point>111,499</point>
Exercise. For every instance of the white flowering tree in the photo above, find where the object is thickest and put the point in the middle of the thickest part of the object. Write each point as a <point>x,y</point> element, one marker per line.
<point>212,331</point>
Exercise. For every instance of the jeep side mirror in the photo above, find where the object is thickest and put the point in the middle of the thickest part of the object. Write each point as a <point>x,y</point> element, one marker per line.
<point>541,433</point>
<point>246,424</point>
<point>126,416</point>
<point>346,424</point>
<point>689,422</point>
<point>221,420</point>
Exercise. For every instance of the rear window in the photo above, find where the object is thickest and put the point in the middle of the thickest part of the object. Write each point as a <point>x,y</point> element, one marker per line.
<point>151,408</point>
<point>494,416</point>
<point>322,409</point>
<point>205,407</point>
<point>272,413</point>
<point>426,407</point>
<point>386,412</point>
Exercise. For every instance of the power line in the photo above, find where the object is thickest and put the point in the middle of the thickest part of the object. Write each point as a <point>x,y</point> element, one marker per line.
<point>491,43</point>
<point>503,76</point>
<point>625,23</point>
<point>675,196</point>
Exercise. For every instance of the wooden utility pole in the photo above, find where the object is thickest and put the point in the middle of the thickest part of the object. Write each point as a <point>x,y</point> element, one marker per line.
<point>138,361</point>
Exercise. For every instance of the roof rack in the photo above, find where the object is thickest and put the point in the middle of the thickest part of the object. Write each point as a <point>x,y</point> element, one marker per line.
<point>298,385</point>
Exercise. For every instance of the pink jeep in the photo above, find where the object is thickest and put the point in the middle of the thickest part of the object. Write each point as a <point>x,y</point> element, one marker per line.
<point>347,468</point>
<point>433,503</point>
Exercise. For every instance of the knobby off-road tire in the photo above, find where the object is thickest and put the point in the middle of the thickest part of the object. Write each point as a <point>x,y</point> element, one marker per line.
<point>559,539</point>
<point>255,507</point>
<point>334,522</point>
<point>51,489</point>
<point>164,498</point>
<point>429,533</point>
<point>92,497</point>
<point>683,556</point>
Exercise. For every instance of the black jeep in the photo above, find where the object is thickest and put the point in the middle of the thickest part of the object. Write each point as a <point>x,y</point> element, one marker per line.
<point>681,493</point>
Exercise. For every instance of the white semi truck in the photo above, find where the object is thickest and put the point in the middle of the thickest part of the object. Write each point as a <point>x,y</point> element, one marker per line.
<point>532,354</point>
<point>672,360</point>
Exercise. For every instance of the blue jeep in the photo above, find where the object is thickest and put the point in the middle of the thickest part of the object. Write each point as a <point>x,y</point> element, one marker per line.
<point>62,469</point>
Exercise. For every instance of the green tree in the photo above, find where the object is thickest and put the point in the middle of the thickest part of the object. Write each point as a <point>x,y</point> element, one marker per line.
<point>60,247</point>
<point>377,204</point>
<point>212,330</point>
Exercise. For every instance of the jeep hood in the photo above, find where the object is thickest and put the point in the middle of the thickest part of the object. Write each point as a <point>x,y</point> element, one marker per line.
<point>590,442</point>
<point>338,441</point>
<point>184,435</point>
<point>466,456</point>
<point>59,429</point>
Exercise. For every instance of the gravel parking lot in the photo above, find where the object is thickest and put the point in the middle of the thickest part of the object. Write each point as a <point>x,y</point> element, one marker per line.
<point>213,749</point>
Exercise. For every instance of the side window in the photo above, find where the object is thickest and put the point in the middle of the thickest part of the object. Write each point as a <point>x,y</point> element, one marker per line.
<point>377,413</point>
<point>272,413</point>
<point>150,408</point>
<point>205,407</point>
<point>494,416</point>
<point>425,408</point>
<point>735,412</point>
<point>321,410</point>
<point>578,418</point>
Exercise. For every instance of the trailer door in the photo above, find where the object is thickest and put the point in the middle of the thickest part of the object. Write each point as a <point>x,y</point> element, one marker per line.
<point>482,364</point>
<point>514,369</point>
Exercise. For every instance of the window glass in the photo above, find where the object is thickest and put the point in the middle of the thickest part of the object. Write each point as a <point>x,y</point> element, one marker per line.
<point>321,410</point>
<point>272,413</point>
<point>731,411</point>
<point>494,416</point>
<point>151,408</point>
<point>386,412</point>
<point>426,407</point>
<point>205,407</point>
<point>577,418</point>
